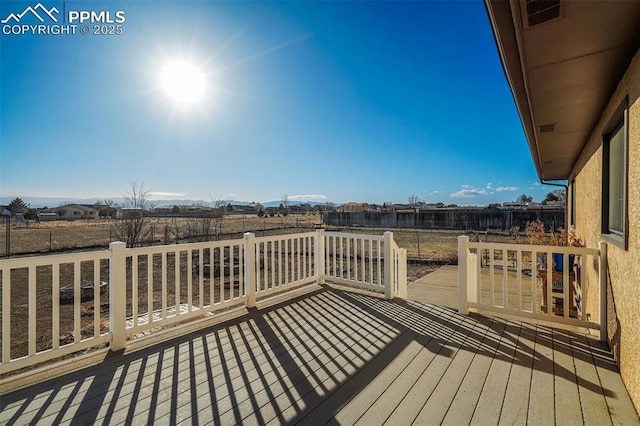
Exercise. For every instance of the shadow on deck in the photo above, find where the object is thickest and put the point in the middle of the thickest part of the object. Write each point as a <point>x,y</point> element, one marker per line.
<point>345,357</point>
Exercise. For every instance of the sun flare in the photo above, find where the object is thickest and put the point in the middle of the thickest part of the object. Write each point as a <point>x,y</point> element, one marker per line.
<point>183,82</point>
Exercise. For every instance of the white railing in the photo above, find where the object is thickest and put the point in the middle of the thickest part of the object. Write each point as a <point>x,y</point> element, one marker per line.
<point>60,291</point>
<point>193,279</point>
<point>109,297</point>
<point>359,260</point>
<point>285,261</point>
<point>529,281</point>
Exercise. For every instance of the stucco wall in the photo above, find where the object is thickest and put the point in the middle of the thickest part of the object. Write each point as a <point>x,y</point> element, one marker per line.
<point>623,316</point>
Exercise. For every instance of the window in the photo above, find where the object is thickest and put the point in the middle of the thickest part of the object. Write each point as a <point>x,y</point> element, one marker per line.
<point>614,178</point>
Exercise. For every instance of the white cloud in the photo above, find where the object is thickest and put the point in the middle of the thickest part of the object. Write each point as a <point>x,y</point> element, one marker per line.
<point>230,196</point>
<point>507,188</point>
<point>311,197</point>
<point>469,193</point>
<point>159,195</point>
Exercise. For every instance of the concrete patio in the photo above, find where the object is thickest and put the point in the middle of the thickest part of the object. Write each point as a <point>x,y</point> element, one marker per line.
<point>338,356</point>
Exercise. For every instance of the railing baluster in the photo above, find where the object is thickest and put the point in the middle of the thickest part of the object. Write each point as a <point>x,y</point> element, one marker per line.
<point>492,277</point>
<point>549,283</point>
<point>355,259</point>
<point>55,293</point>
<point>77,337</point>
<point>96,297</point>
<point>6,315</point>
<point>164,285</point>
<point>176,264</point>
<point>241,284</point>
<point>363,260</point>
<point>371,280</point>
<point>534,273</point>
<point>379,256</point>
<point>565,285</point>
<point>284,261</point>
<point>150,283</point>
<point>189,280</point>
<point>341,257</point>
<point>349,241</point>
<point>505,272</point>
<point>221,259</point>
<point>32,310</point>
<point>519,277</point>
<point>134,288</point>
<point>335,256</point>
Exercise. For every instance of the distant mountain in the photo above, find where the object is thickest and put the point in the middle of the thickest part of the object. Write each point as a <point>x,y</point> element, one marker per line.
<point>276,203</point>
<point>39,202</point>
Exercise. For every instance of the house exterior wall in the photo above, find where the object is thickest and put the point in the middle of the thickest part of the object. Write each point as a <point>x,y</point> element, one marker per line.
<point>623,292</point>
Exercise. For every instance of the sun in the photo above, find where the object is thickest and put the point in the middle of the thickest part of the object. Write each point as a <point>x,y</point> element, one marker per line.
<point>183,82</point>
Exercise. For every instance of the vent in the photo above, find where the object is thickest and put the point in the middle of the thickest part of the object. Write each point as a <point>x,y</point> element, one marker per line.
<point>547,128</point>
<point>539,11</point>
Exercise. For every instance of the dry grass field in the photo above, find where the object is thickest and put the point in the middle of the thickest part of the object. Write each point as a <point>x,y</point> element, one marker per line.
<point>62,236</point>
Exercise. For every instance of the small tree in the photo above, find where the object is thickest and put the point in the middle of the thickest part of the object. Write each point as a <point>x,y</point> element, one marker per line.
<point>261,212</point>
<point>132,227</point>
<point>414,200</point>
<point>17,205</point>
<point>557,195</point>
<point>524,199</point>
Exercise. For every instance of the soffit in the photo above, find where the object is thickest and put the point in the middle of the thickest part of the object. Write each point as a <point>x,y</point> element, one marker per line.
<point>563,72</point>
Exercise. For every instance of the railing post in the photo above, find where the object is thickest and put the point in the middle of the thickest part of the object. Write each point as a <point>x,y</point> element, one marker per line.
<point>602,278</point>
<point>250,268</point>
<point>472,273</point>
<point>319,256</point>
<point>402,273</point>
<point>118,295</point>
<point>463,241</point>
<point>388,265</point>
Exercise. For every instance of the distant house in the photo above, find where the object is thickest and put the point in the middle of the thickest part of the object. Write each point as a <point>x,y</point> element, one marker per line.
<point>76,211</point>
<point>47,216</point>
<point>354,207</point>
<point>129,213</point>
<point>574,72</point>
<point>251,208</point>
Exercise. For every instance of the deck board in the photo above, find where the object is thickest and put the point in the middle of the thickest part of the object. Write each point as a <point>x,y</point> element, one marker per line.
<point>338,356</point>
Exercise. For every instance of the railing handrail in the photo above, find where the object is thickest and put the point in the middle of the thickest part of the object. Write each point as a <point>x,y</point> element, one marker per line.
<point>354,235</point>
<point>535,248</point>
<point>24,262</point>
<point>170,248</point>
<point>269,238</point>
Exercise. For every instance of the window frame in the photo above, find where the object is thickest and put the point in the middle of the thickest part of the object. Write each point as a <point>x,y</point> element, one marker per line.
<point>618,121</point>
<point>572,218</point>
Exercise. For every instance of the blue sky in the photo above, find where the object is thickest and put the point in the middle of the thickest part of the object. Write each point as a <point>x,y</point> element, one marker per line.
<point>323,101</point>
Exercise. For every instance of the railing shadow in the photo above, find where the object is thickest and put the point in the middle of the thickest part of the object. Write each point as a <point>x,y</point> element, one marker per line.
<point>300,360</point>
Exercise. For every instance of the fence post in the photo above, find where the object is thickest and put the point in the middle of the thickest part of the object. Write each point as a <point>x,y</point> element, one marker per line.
<point>463,240</point>
<point>602,278</point>
<point>250,262</point>
<point>319,256</point>
<point>388,265</point>
<point>118,295</point>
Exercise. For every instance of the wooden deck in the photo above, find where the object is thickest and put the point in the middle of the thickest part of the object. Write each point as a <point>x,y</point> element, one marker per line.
<point>342,357</point>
